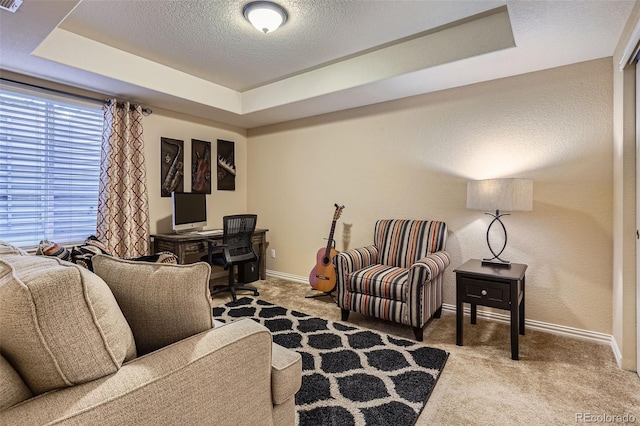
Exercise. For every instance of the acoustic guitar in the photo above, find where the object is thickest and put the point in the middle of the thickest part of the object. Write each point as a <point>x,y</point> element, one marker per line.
<point>323,275</point>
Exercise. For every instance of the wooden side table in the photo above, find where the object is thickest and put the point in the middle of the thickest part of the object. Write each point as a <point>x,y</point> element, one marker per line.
<point>493,286</point>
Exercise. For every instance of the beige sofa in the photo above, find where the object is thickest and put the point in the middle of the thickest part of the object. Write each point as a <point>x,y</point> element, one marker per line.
<point>133,343</point>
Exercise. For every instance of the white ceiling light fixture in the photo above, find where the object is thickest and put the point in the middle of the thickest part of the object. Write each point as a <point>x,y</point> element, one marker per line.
<point>265,16</point>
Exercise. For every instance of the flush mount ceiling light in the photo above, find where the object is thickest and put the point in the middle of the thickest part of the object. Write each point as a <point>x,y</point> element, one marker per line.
<point>264,15</point>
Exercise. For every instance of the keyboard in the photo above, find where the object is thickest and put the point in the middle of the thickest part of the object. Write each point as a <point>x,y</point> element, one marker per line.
<point>210,232</point>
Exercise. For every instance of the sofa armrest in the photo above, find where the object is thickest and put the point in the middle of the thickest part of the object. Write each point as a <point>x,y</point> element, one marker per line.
<point>220,376</point>
<point>286,373</point>
<point>430,266</point>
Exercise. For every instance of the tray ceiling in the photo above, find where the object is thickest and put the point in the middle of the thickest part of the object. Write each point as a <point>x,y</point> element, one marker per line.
<point>203,58</point>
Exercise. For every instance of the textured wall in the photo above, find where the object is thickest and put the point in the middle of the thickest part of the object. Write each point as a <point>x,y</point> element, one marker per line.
<point>171,125</point>
<point>412,158</point>
<point>625,298</point>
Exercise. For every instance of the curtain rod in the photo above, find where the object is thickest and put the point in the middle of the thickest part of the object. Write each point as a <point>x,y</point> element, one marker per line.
<point>145,111</point>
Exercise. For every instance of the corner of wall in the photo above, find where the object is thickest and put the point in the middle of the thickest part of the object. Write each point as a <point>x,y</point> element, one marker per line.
<point>617,353</point>
<point>624,328</point>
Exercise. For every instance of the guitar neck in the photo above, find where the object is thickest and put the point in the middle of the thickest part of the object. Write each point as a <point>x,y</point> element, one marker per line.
<point>328,249</point>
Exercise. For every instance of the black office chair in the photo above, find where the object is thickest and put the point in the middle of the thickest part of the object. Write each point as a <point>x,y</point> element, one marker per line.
<point>236,249</point>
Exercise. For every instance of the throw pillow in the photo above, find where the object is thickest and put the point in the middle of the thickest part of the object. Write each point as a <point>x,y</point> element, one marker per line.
<point>163,303</point>
<point>61,325</point>
<point>83,254</point>
<point>49,248</point>
<point>161,257</point>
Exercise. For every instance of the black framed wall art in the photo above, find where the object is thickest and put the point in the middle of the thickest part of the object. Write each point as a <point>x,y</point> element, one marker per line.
<point>172,166</point>
<point>226,167</point>
<point>200,166</point>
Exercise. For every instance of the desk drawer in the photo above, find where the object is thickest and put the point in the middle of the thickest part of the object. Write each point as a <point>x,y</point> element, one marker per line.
<point>195,247</point>
<point>165,245</point>
<point>180,249</point>
<point>495,294</point>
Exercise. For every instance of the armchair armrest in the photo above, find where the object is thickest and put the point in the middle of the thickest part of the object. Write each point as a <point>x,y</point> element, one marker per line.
<point>195,380</point>
<point>358,258</point>
<point>431,265</point>
<point>353,260</point>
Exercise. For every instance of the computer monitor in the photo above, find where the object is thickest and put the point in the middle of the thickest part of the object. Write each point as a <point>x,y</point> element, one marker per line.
<point>188,211</point>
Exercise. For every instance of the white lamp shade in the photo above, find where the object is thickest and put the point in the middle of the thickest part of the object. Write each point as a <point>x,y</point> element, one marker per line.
<point>500,194</point>
<point>265,16</point>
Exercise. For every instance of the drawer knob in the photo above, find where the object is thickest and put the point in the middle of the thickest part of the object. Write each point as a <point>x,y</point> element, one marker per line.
<point>483,292</point>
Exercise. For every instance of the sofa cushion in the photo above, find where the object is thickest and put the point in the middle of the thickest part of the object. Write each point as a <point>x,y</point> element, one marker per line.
<point>13,389</point>
<point>60,323</point>
<point>163,303</point>
<point>6,248</point>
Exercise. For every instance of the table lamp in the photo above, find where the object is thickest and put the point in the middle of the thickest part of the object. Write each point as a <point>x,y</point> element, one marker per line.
<point>508,194</point>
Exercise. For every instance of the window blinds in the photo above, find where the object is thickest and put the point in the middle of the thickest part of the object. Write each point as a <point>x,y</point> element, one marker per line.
<point>49,167</point>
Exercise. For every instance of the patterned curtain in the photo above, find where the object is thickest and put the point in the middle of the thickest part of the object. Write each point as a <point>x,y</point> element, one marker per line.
<point>123,208</point>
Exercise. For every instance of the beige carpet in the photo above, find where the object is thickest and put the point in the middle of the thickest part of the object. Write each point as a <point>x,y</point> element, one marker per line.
<point>556,379</point>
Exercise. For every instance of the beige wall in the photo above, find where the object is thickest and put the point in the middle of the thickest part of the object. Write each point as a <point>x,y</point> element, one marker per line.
<point>624,326</point>
<point>412,158</point>
<point>168,124</point>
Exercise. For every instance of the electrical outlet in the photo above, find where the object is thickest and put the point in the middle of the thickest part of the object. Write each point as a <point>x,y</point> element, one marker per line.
<point>273,253</point>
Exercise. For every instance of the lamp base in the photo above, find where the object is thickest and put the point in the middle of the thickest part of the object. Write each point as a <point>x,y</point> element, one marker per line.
<point>496,262</point>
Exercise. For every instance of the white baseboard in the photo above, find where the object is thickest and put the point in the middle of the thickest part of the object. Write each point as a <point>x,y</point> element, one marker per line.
<point>288,277</point>
<point>562,330</point>
<point>616,352</point>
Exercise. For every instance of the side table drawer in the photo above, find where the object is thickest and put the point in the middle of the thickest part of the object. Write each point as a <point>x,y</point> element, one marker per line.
<point>489,293</point>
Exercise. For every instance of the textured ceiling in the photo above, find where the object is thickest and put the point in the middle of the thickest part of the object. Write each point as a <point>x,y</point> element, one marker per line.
<point>203,58</point>
<point>213,41</point>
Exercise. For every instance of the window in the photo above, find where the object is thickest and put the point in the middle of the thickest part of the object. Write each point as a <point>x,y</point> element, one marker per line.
<point>49,166</point>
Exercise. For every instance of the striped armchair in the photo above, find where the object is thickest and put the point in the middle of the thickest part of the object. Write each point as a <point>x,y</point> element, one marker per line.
<point>399,277</point>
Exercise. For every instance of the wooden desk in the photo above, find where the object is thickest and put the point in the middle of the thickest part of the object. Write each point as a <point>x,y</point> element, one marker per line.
<point>183,245</point>
<point>496,287</point>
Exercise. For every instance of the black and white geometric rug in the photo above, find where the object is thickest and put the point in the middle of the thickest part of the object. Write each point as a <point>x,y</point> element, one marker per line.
<point>351,376</point>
